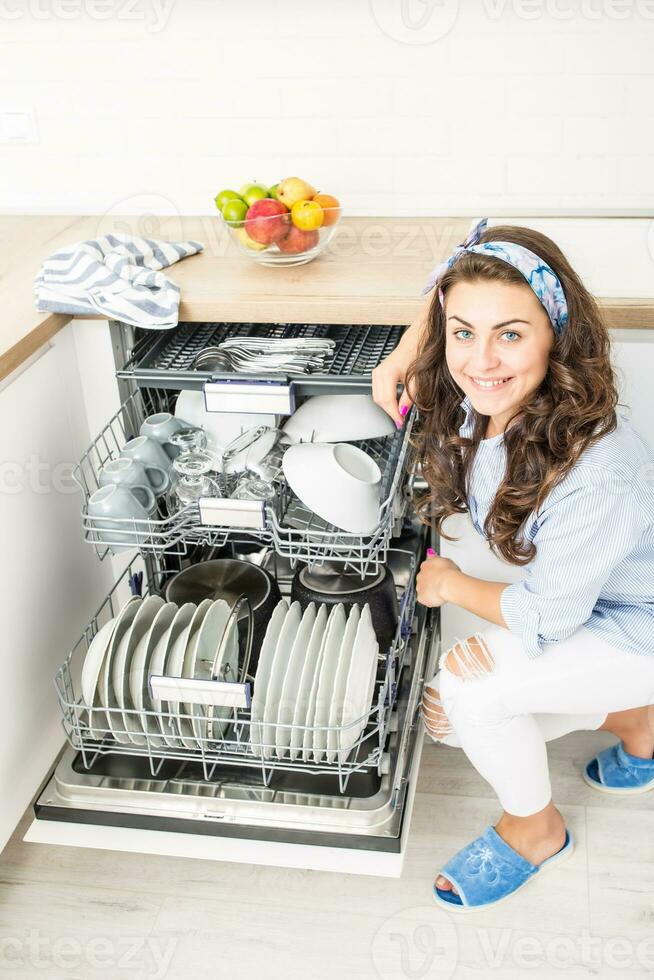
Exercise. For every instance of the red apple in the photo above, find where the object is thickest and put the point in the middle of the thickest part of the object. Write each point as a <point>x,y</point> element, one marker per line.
<point>297,240</point>
<point>267,220</point>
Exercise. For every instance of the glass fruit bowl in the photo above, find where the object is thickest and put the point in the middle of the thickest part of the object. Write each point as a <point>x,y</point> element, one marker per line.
<point>275,240</point>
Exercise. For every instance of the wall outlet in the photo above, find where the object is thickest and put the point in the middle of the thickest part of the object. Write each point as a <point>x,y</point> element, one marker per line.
<point>18,125</point>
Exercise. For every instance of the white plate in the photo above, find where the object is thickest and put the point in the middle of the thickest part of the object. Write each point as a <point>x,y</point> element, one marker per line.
<point>262,676</point>
<point>187,725</point>
<point>333,640</point>
<point>285,643</point>
<point>309,673</point>
<point>139,670</point>
<point>292,678</point>
<point>340,682</point>
<point>90,679</point>
<point>124,620</point>
<point>360,683</point>
<point>120,666</point>
<point>175,668</point>
<point>201,655</point>
<point>93,661</point>
<point>157,667</point>
<point>338,418</point>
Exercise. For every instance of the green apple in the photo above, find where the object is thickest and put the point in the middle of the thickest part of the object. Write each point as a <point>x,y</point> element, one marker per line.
<point>225,196</point>
<point>273,192</point>
<point>253,192</point>
<point>234,211</point>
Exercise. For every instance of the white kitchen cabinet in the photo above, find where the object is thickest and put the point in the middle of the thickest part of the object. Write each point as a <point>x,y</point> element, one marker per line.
<point>50,577</point>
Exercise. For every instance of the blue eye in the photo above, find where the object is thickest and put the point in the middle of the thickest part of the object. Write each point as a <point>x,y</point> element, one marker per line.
<point>458,332</point>
<point>515,335</point>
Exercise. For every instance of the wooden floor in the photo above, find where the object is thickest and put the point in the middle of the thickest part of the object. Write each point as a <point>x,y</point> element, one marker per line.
<point>67,913</point>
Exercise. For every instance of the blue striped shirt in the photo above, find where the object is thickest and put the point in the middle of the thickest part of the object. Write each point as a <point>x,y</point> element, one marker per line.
<point>594,536</point>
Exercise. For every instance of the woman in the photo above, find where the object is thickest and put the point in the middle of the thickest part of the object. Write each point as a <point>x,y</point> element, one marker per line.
<point>510,370</point>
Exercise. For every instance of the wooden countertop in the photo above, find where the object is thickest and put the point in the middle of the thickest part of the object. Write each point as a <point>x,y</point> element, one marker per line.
<point>372,272</point>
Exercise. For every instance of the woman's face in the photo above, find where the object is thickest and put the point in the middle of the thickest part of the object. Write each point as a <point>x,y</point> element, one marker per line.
<point>496,332</point>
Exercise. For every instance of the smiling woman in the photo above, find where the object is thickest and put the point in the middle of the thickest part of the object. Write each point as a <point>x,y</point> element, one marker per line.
<point>518,424</point>
<point>557,394</point>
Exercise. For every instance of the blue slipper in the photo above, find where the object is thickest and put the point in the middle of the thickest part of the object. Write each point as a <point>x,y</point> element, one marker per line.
<point>615,771</point>
<point>488,871</point>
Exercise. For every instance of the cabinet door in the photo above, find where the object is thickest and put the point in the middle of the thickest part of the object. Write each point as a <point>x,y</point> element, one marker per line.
<point>51,579</point>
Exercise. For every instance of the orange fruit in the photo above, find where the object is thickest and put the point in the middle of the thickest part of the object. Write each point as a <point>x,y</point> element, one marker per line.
<point>331,207</point>
<point>307,215</point>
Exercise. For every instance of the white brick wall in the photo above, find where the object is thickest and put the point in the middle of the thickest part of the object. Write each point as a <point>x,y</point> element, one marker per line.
<point>465,107</point>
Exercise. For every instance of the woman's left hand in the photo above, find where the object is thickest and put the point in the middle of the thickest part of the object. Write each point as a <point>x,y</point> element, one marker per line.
<point>430,579</point>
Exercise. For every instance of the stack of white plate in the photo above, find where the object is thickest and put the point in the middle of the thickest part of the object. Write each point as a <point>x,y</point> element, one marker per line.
<point>150,636</point>
<point>314,683</point>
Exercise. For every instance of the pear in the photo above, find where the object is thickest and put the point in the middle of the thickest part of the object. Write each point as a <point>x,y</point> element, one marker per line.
<point>293,189</point>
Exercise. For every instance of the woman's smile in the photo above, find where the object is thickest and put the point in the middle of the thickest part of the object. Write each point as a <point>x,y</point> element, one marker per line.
<point>497,345</point>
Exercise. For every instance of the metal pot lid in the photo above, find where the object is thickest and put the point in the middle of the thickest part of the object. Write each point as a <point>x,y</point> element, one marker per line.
<point>331,580</point>
<point>220,578</point>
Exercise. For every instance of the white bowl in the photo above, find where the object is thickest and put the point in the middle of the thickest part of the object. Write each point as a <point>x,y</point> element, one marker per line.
<point>338,482</point>
<point>337,418</point>
<point>221,427</point>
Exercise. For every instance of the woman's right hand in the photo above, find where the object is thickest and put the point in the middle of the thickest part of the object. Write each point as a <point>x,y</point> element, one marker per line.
<point>393,370</point>
<point>385,379</point>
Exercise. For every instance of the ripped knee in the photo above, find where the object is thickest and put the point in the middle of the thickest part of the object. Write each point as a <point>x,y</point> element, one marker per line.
<point>436,721</point>
<point>469,658</point>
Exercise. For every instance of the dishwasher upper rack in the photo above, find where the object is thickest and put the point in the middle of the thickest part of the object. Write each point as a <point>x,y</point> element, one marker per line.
<point>292,529</point>
<point>82,725</point>
<point>163,358</point>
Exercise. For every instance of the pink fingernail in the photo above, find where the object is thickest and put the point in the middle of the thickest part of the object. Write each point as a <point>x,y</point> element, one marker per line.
<point>404,409</point>
<point>398,425</point>
<point>431,553</point>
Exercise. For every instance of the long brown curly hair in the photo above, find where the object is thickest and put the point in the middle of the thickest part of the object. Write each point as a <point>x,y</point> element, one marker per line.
<point>572,408</point>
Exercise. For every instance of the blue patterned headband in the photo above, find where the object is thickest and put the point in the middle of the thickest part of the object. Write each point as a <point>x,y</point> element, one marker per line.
<point>542,279</point>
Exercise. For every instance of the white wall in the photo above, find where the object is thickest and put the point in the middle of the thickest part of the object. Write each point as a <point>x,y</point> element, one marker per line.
<point>458,106</point>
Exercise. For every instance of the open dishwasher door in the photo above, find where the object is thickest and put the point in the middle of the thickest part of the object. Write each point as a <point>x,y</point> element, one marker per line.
<point>222,801</point>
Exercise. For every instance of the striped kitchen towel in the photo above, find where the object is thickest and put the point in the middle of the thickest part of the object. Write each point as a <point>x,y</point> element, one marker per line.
<point>116,276</point>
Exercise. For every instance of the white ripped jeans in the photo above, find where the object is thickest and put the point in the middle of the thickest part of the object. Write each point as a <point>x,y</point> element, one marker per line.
<point>505,705</point>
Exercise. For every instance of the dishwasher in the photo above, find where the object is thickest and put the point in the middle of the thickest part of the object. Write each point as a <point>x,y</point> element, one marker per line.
<point>219,798</point>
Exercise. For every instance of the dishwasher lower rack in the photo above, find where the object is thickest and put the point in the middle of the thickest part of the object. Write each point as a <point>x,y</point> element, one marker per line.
<point>94,730</point>
<point>293,530</point>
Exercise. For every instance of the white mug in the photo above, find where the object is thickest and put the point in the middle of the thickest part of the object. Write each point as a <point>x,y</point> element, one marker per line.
<point>120,510</point>
<point>161,427</point>
<point>128,472</point>
<point>151,455</point>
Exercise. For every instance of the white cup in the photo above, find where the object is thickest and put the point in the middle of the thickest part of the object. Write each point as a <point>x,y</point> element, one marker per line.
<point>151,455</point>
<point>127,472</point>
<point>113,510</point>
<point>161,427</point>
